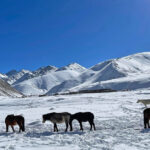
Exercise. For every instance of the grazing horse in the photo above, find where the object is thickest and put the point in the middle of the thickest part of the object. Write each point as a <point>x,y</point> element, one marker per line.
<point>146,114</point>
<point>12,120</point>
<point>144,101</point>
<point>57,118</point>
<point>83,117</point>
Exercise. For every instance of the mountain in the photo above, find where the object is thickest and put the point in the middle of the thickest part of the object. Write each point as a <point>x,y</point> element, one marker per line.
<point>7,90</point>
<point>14,75</point>
<point>43,70</point>
<point>130,72</point>
<point>45,78</point>
<point>136,63</point>
<point>126,73</point>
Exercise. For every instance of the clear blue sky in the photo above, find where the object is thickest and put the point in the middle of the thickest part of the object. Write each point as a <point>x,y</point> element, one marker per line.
<point>35,33</point>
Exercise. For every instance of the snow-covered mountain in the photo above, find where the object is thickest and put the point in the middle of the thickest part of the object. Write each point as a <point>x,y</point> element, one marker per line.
<point>43,79</point>
<point>40,85</point>
<point>127,73</point>
<point>130,72</point>
<point>43,70</point>
<point>13,75</point>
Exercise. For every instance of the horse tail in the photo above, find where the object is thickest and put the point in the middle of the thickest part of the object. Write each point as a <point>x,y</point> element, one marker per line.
<point>23,124</point>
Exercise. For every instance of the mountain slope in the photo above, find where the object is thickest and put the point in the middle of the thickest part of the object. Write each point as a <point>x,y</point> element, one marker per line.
<point>41,84</point>
<point>7,90</point>
<point>13,75</point>
<point>131,72</point>
<point>136,63</point>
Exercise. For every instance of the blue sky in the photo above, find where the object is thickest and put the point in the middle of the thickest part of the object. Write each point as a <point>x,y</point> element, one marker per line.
<point>35,33</point>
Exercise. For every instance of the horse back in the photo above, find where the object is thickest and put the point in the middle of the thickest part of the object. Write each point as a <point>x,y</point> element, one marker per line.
<point>83,116</point>
<point>10,120</point>
<point>59,117</point>
<point>19,119</point>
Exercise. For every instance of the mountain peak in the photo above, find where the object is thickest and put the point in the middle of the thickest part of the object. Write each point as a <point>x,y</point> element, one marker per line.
<point>11,72</point>
<point>44,70</point>
<point>24,71</point>
<point>73,66</point>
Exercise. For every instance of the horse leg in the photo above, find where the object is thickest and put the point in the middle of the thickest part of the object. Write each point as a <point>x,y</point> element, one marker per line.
<point>7,126</point>
<point>145,122</point>
<point>94,125</point>
<point>90,122</point>
<point>66,126</point>
<point>13,128</point>
<point>56,128</point>
<point>20,127</point>
<point>70,123</point>
<point>81,128</point>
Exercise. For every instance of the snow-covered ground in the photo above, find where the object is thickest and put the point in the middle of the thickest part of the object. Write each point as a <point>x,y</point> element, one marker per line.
<point>118,119</point>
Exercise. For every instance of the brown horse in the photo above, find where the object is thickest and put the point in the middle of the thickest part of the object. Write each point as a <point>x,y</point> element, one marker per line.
<point>146,114</point>
<point>12,120</point>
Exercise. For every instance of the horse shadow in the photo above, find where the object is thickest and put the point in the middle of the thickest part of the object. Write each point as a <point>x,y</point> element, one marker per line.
<point>6,134</point>
<point>145,130</point>
<point>46,133</point>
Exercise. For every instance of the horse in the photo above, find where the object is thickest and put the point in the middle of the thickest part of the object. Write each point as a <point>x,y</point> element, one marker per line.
<point>146,114</point>
<point>57,118</point>
<point>144,101</point>
<point>83,117</point>
<point>12,120</point>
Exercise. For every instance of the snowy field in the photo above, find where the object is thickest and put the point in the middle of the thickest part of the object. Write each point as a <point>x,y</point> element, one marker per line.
<point>118,119</point>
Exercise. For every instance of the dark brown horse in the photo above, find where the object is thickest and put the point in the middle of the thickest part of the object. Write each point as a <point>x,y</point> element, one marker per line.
<point>58,118</point>
<point>83,117</point>
<point>12,120</point>
<point>146,114</point>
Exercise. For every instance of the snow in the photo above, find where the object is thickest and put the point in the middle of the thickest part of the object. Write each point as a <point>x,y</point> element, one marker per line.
<point>3,76</point>
<point>118,120</point>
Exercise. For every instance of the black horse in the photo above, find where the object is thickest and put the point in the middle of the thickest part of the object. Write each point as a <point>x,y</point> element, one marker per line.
<point>12,120</point>
<point>58,118</point>
<point>83,117</point>
<point>146,114</point>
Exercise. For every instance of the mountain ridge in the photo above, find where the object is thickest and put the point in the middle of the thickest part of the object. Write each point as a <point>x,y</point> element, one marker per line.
<point>108,74</point>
